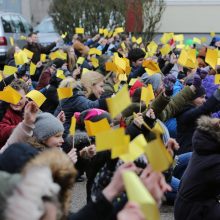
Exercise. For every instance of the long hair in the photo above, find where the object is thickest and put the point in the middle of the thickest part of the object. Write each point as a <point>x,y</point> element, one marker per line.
<point>88,80</point>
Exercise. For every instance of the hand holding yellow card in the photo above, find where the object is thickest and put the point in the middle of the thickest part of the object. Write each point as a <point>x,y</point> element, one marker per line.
<point>138,193</point>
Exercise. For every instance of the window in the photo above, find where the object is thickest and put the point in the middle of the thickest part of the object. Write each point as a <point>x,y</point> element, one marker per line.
<point>18,25</point>
<point>7,25</point>
<point>27,26</point>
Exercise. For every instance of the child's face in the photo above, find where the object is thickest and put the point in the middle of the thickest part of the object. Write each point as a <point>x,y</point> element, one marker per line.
<point>54,141</point>
<point>138,62</point>
<point>21,103</point>
<point>199,101</point>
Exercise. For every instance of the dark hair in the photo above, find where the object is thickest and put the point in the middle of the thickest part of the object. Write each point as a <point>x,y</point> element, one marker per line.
<point>135,54</point>
<point>32,33</point>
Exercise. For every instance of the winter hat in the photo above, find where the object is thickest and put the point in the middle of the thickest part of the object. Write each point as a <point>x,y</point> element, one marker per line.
<point>155,80</point>
<point>46,126</point>
<point>58,63</point>
<point>27,201</point>
<point>199,92</point>
<point>7,184</point>
<point>137,84</point>
<point>93,115</point>
<point>15,157</point>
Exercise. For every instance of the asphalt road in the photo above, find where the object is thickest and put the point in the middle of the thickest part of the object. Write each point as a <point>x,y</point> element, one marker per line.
<point>79,200</point>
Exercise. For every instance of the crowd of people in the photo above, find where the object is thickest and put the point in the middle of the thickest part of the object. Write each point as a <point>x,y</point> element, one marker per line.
<point>40,158</point>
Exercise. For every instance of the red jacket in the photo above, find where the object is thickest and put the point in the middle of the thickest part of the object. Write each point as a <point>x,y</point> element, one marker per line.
<point>10,120</point>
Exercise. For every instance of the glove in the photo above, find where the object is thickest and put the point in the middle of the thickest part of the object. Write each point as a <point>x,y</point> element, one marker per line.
<point>169,82</point>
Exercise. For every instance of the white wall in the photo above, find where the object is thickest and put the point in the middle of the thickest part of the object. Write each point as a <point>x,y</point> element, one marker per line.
<point>191,16</point>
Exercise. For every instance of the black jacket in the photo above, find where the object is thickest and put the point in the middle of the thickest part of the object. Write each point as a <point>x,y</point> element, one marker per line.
<point>77,103</point>
<point>186,121</point>
<point>199,187</point>
<point>38,49</point>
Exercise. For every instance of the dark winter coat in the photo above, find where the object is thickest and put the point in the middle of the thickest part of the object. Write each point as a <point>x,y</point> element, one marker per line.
<point>77,103</point>
<point>38,49</point>
<point>186,121</point>
<point>198,196</point>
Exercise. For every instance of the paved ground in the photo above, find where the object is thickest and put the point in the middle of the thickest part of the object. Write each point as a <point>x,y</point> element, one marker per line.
<point>79,200</point>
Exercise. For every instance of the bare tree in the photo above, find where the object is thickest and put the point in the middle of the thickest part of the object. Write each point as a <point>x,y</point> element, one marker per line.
<point>152,13</point>
<point>94,14</point>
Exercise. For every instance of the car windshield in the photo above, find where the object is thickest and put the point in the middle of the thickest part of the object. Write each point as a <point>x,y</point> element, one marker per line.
<point>46,26</point>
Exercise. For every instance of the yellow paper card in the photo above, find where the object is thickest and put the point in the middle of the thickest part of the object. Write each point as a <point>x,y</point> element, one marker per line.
<point>9,70</point>
<point>119,102</point>
<point>150,94</point>
<point>80,60</point>
<point>23,37</point>
<point>139,40</point>
<point>119,30</point>
<point>138,193</point>
<point>212,57</point>
<point>105,32</point>
<point>79,30</point>
<point>165,49</point>
<point>133,39</point>
<point>180,46</point>
<point>217,79</point>
<point>152,47</point>
<point>85,70</point>
<point>72,126</point>
<point>58,54</point>
<point>93,128</point>
<point>33,68</point>
<point>150,64</point>
<point>60,74</point>
<point>37,97</point>
<point>12,41</point>
<point>121,149</point>
<point>64,35</point>
<point>95,51</point>
<point>10,95</point>
<point>43,57</point>
<point>123,77</point>
<point>197,40</point>
<point>20,58</point>
<point>95,62</point>
<point>159,158</point>
<point>179,37</point>
<point>101,30</point>
<point>203,39</point>
<point>136,149</point>
<point>28,53</point>
<point>108,139</point>
<point>123,46</point>
<point>144,94</point>
<point>64,93</point>
<point>120,62</point>
<point>212,34</point>
<point>218,61</point>
<point>166,37</point>
<point>110,67</point>
<point>132,81</point>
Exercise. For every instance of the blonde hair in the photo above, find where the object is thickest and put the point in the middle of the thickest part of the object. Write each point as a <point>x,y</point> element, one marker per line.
<point>89,79</point>
<point>71,59</point>
<point>68,82</point>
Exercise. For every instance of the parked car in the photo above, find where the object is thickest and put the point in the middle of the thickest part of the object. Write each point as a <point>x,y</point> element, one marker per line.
<point>12,26</point>
<point>47,32</point>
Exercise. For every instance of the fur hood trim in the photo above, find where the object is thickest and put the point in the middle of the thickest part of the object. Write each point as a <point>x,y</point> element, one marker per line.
<point>210,125</point>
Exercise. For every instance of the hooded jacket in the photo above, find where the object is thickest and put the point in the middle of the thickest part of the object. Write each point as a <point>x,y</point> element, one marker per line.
<point>199,188</point>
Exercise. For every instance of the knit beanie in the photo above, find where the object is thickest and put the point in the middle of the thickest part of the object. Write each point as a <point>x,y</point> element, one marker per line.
<point>199,92</point>
<point>46,126</point>
<point>13,159</point>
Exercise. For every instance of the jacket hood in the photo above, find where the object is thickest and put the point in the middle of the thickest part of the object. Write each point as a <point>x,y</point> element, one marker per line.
<point>206,138</point>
